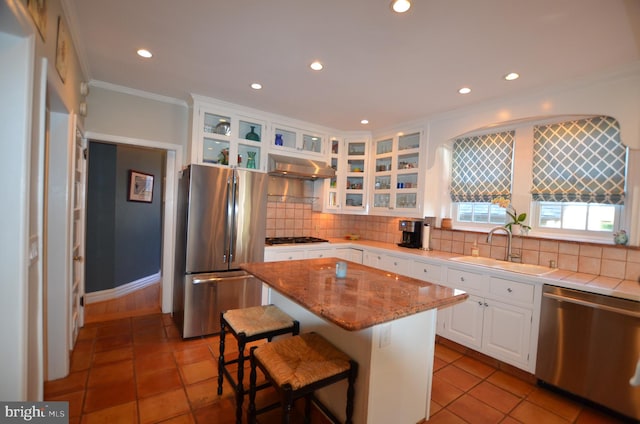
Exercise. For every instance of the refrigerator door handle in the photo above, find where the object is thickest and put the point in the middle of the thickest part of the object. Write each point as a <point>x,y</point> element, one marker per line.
<point>233,205</point>
<point>231,202</point>
<point>219,279</point>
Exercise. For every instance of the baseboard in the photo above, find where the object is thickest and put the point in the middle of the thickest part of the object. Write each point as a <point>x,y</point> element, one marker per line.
<point>116,292</point>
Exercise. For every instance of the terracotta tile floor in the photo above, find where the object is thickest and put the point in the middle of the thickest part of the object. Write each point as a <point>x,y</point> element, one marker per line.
<point>139,370</point>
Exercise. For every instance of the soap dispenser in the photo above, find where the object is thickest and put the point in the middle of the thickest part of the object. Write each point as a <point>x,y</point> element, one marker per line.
<point>474,250</point>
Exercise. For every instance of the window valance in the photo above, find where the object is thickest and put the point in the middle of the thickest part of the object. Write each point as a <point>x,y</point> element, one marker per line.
<point>482,167</point>
<point>579,161</point>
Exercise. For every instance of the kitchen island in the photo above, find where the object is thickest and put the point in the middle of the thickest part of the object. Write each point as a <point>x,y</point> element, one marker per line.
<point>384,321</point>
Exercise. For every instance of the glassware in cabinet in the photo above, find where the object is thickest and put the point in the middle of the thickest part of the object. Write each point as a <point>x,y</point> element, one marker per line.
<point>216,124</point>
<point>251,131</point>
<point>216,151</point>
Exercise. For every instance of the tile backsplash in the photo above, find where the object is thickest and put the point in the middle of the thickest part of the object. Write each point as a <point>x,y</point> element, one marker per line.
<point>617,262</point>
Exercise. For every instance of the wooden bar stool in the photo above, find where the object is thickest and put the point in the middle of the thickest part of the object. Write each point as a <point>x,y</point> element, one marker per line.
<point>297,367</point>
<point>248,325</point>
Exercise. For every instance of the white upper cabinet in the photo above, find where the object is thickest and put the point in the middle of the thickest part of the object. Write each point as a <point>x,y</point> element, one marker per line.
<point>397,174</point>
<point>347,192</point>
<point>297,142</point>
<point>226,138</point>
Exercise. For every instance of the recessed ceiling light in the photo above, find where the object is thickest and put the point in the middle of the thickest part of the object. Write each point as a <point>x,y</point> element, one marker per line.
<point>400,6</point>
<point>256,86</point>
<point>364,121</point>
<point>316,66</point>
<point>464,90</point>
<point>512,76</point>
<point>144,53</point>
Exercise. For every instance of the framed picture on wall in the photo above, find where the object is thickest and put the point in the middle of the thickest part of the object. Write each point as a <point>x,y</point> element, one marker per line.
<point>63,49</point>
<point>140,187</point>
<point>38,11</point>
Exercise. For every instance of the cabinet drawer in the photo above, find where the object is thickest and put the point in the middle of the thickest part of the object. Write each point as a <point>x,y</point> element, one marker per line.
<point>511,290</point>
<point>426,272</point>
<point>465,279</point>
<point>320,253</point>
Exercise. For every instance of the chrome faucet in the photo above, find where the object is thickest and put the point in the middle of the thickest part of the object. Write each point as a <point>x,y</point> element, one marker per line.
<point>508,233</point>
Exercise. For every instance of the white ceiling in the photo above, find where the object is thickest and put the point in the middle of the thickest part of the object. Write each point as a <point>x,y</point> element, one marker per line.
<point>381,66</point>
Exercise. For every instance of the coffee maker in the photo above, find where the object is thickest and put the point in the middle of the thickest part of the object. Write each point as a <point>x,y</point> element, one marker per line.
<point>411,233</point>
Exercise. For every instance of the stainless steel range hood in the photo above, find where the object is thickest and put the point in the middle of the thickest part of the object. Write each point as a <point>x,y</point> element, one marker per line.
<point>308,169</point>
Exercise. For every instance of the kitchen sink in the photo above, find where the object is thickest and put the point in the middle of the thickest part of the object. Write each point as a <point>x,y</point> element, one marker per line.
<point>507,266</point>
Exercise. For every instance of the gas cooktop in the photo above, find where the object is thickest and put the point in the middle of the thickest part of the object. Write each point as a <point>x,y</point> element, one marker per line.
<point>293,240</point>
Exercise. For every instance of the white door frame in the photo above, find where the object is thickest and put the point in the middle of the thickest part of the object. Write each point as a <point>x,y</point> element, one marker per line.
<point>173,166</point>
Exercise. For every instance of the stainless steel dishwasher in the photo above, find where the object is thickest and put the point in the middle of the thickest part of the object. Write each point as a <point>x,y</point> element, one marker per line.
<point>589,346</point>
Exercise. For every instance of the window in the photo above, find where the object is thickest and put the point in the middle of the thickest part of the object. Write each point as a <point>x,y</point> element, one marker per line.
<point>577,216</point>
<point>579,170</point>
<point>481,213</point>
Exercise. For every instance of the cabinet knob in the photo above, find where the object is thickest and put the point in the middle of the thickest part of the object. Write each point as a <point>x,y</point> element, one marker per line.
<point>479,302</point>
<point>485,304</point>
<point>425,270</point>
<point>461,278</point>
<point>395,264</point>
<point>509,290</point>
<point>77,258</point>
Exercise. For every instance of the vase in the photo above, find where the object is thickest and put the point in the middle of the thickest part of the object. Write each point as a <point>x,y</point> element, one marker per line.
<point>251,162</point>
<point>516,230</point>
<point>252,135</point>
<point>279,141</point>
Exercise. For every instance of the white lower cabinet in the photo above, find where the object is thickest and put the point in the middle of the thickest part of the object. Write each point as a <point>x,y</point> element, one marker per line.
<point>389,263</point>
<point>506,332</point>
<point>320,253</point>
<point>271,255</point>
<point>496,319</point>
<point>426,271</point>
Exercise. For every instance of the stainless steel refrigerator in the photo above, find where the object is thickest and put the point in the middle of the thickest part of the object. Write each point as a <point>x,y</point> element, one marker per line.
<point>221,224</point>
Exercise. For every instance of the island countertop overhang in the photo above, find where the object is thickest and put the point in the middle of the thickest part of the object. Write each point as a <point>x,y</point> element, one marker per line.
<point>365,298</point>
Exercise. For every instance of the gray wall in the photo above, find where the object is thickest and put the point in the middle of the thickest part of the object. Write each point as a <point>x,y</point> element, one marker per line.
<point>124,238</point>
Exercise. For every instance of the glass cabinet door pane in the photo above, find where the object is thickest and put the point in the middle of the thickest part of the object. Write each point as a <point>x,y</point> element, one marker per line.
<point>311,143</point>
<point>250,131</point>
<point>215,151</point>
<point>383,182</point>
<point>381,200</point>
<point>354,200</point>
<point>354,183</point>
<point>384,146</point>
<point>383,164</point>
<point>333,199</point>
<point>407,181</point>
<point>285,138</point>
<point>356,149</point>
<point>409,141</point>
<point>409,161</point>
<point>355,165</point>
<point>335,147</point>
<point>405,201</point>
<point>217,124</point>
<point>248,157</point>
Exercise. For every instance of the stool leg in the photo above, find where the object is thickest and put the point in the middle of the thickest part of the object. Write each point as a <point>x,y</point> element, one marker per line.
<point>287,404</point>
<point>251,412</point>
<point>240,383</point>
<point>307,409</point>
<point>353,373</point>
<point>221,357</point>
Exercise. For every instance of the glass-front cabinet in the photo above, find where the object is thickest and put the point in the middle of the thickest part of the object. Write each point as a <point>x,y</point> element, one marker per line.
<point>293,140</point>
<point>347,192</point>
<point>397,182</point>
<point>227,139</point>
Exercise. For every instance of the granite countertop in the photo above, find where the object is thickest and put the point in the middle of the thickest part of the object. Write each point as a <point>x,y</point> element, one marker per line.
<point>624,289</point>
<point>366,297</point>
